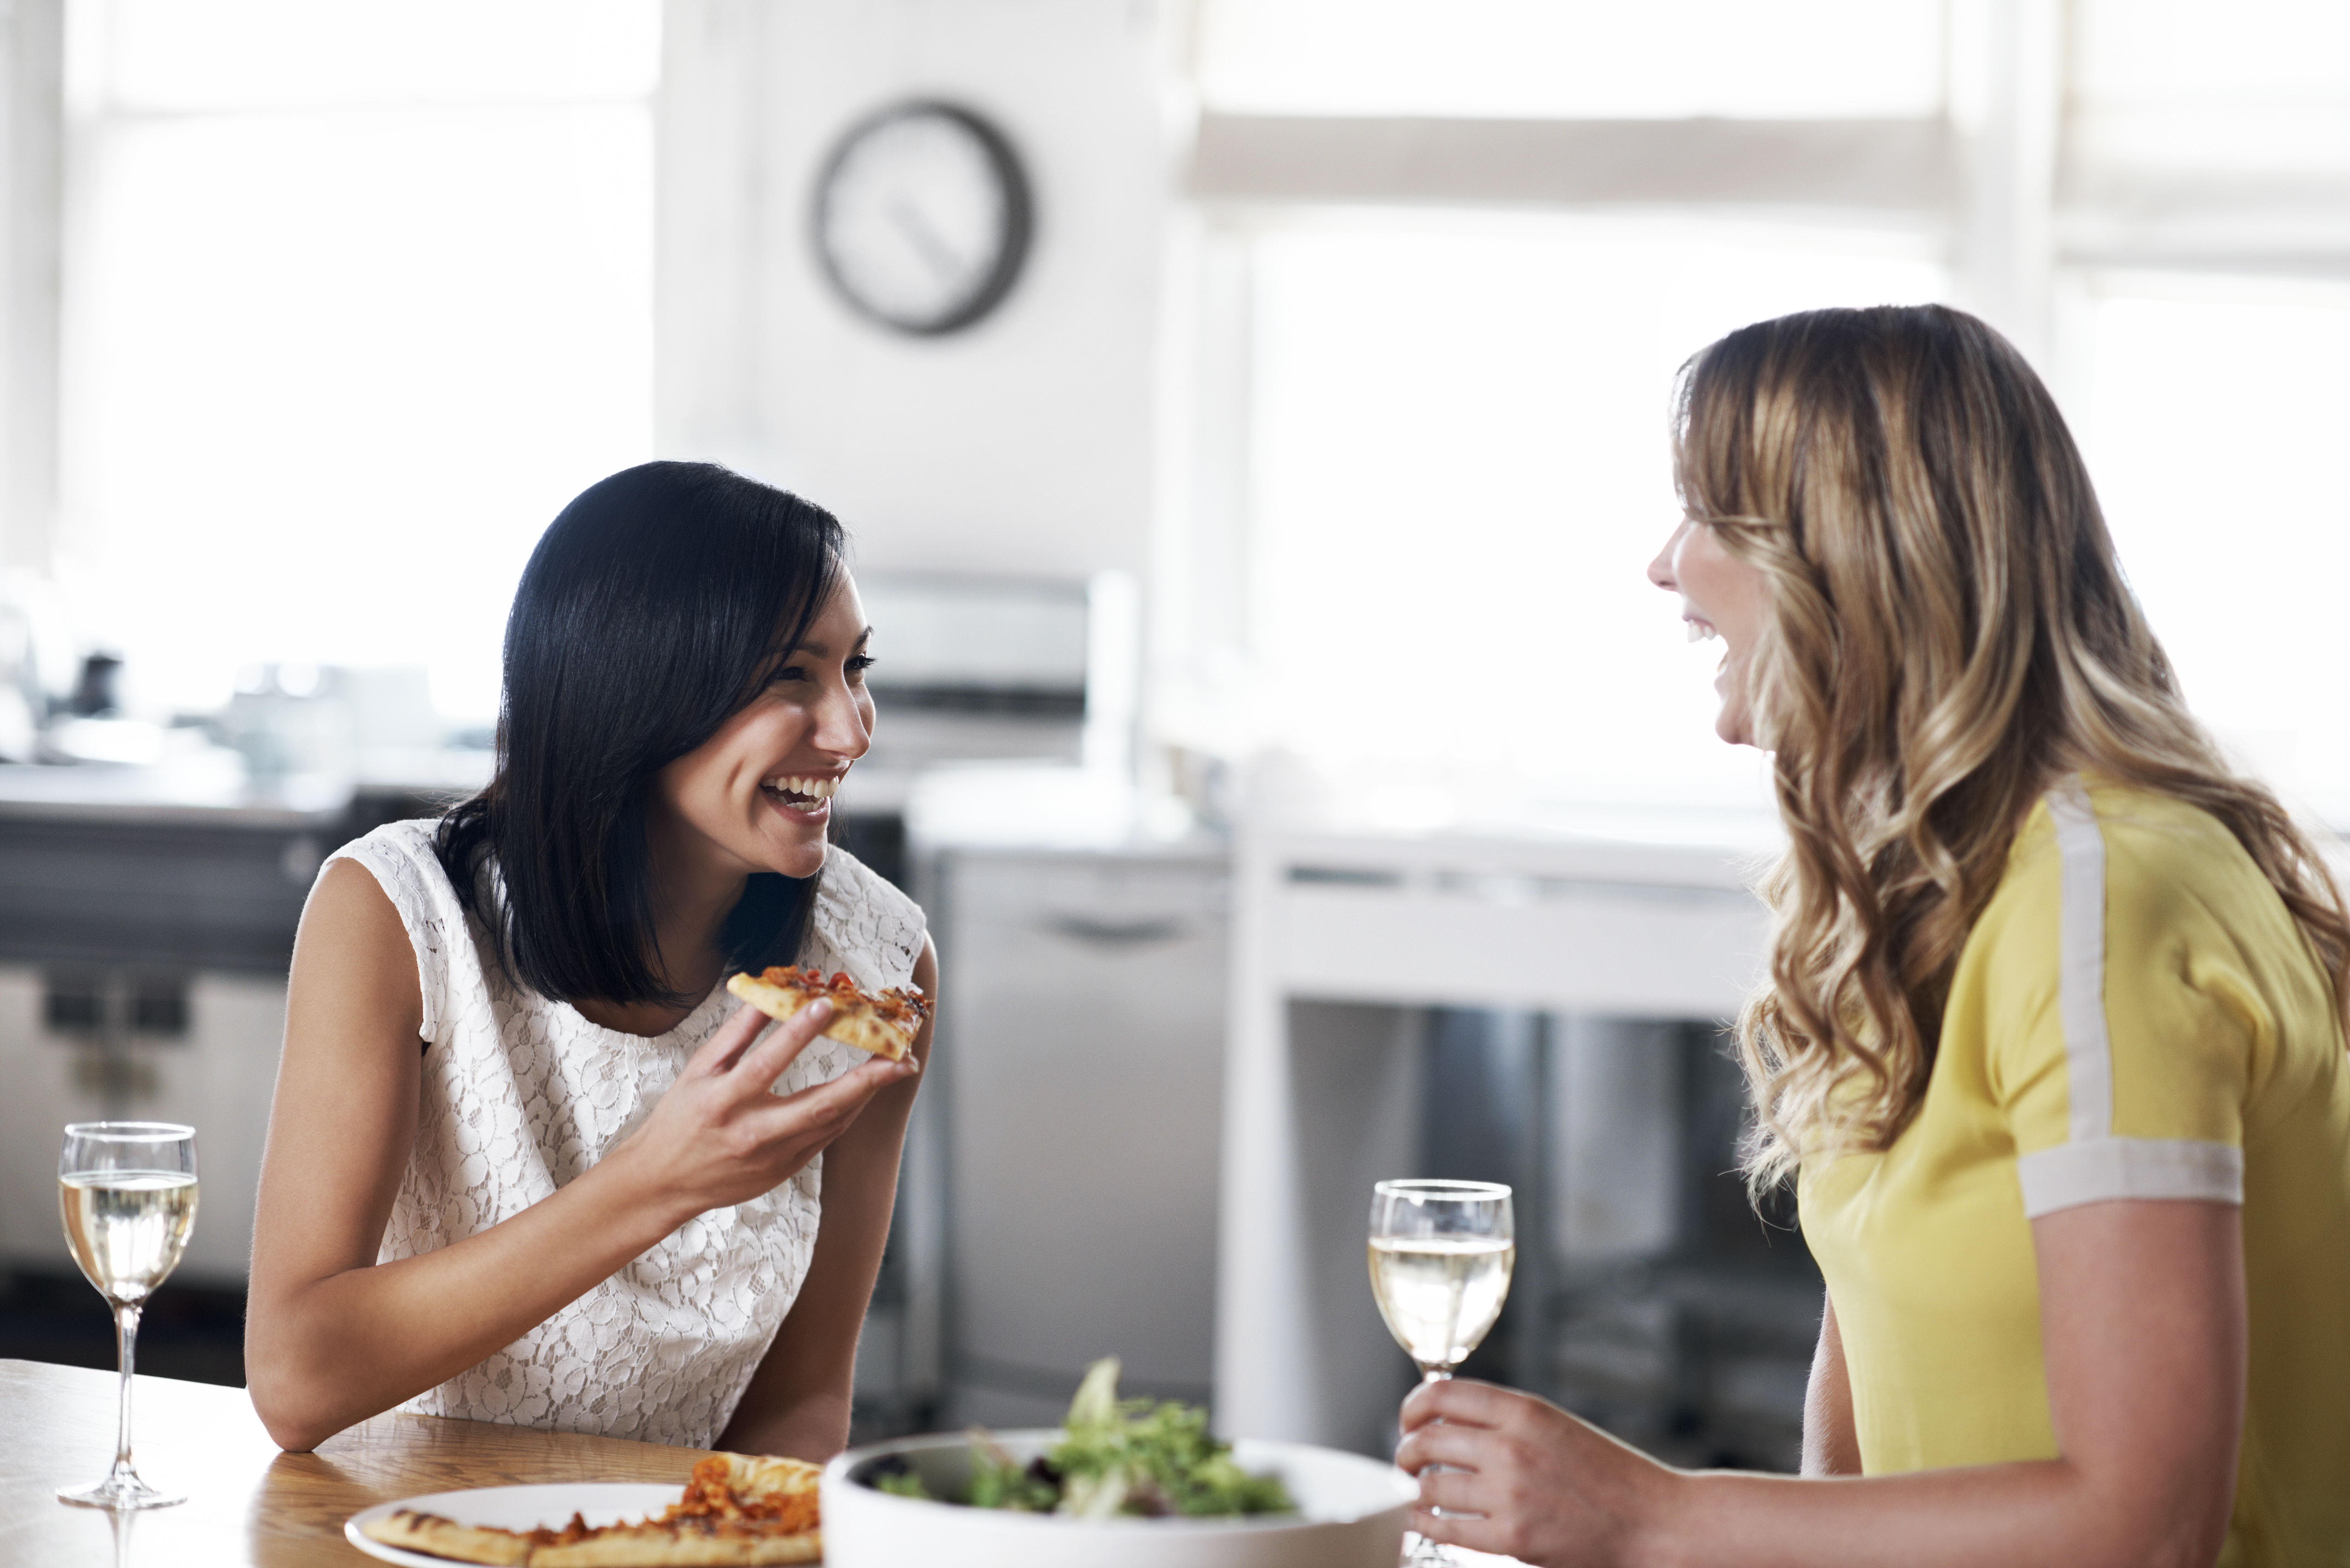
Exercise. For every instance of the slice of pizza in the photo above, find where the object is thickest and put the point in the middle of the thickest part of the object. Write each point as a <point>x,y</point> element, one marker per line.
<point>885,1025</point>
<point>438,1537</point>
<point>736,1509</point>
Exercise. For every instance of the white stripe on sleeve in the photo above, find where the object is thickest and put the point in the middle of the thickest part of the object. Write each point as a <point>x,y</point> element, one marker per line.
<point>2081,980</point>
<point>2075,1173</point>
<point>2094,1166</point>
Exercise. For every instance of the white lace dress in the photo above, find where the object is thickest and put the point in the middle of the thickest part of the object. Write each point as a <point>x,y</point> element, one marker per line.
<point>521,1095</point>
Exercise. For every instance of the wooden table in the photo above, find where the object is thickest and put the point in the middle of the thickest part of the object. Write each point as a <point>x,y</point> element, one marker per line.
<point>248,1503</point>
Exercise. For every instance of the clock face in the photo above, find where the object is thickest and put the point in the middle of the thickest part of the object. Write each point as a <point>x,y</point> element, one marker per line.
<point>921,218</point>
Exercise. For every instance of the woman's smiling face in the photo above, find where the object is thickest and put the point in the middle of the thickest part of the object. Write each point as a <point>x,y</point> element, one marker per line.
<point>1721,595</point>
<point>758,794</point>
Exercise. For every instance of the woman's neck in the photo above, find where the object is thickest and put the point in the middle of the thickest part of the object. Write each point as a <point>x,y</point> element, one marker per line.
<point>693,894</point>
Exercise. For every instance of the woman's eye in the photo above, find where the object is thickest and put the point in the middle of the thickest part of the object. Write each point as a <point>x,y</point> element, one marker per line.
<point>788,672</point>
<point>858,663</point>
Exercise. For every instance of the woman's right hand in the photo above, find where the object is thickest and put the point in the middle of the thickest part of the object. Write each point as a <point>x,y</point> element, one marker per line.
<point>720,1136</point>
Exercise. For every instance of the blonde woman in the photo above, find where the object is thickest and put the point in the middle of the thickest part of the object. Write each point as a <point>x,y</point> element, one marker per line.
<point>2050,1039</point>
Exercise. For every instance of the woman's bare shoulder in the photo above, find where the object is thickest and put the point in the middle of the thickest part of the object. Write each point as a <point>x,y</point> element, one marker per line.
<point>353,951</point>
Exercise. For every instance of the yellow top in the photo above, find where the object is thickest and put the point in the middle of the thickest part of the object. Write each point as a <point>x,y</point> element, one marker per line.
<point>2135,1015</point>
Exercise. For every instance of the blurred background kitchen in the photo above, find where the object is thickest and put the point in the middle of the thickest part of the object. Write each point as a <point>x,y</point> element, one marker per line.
<point>1251,415</point>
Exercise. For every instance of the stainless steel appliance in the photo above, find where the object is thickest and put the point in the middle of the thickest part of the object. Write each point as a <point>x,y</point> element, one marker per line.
<point>1081,1048</point>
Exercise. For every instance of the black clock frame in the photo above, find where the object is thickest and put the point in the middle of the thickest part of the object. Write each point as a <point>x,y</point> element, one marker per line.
<point>1019,216</point>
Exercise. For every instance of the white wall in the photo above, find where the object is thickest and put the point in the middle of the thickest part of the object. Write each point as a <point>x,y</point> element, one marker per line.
<point>1021,445</point>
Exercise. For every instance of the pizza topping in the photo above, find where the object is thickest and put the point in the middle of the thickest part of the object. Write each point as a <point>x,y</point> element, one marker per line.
<point>769,1505</point>
<point>711,1496</point>
<point>895,1003</point>
<point>885,1025</point>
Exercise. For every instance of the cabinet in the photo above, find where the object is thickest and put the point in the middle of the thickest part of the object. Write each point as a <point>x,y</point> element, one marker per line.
<point>212,1067</point>
<point>143,948</point>
<point>1081,1057</point>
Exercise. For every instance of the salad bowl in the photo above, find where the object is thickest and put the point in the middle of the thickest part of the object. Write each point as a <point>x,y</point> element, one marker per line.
<point>1351,1513</point>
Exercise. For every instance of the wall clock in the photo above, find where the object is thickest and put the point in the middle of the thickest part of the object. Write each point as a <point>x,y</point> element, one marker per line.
<point>922,217</point>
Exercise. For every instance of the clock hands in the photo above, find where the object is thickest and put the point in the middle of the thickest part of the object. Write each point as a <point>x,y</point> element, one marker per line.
<point>936,254</point>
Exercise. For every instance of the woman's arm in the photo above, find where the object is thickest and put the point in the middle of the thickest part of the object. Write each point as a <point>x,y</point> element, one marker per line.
<point>331,1337</point>
<point>2142,1325</point>
<point>1830,1447</point>
<point>797,1402</point>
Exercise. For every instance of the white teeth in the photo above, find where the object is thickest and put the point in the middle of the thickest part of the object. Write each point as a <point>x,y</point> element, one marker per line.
<point>1701,632</point>
<point>813,788</point>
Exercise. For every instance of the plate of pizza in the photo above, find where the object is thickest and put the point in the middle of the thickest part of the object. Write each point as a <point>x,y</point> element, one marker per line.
<point>736,1509</point>
<point>884,1022</point>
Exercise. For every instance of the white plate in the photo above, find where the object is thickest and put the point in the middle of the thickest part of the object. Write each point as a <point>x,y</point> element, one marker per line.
<point>517,1508</point>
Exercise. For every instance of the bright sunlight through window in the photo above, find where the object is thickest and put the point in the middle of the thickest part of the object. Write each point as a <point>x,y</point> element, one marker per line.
<point>2213,424</point>
<point>360,295</point>
<point>1460,439</point>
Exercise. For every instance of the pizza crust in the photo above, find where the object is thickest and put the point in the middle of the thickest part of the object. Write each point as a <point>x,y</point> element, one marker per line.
<point>883,1026</point>
<point>763,1475</point>
<point>438,1537</point>
<point>683,1543</point>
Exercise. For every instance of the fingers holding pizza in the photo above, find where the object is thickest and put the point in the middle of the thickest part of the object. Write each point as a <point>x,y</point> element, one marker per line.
<point>720,1136</point>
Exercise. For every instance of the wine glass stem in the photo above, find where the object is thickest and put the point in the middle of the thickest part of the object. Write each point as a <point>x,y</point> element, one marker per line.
<point>126,1345</point>
<point>1428,1553</point>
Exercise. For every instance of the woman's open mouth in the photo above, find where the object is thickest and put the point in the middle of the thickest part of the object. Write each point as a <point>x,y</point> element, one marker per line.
<point>806,797</point>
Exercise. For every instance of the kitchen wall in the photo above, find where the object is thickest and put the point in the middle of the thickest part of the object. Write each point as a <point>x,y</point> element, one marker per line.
<point>1021,445</point>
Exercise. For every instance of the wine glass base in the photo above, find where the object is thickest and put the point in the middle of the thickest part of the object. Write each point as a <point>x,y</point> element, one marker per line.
<point>119,1493</point>
<point>1419,1551</point>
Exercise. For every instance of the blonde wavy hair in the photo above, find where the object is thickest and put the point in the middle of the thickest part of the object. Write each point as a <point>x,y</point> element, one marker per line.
<point>1949,632</point>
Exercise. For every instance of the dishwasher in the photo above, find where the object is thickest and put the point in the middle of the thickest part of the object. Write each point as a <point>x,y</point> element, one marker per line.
<point>1080,1051</point>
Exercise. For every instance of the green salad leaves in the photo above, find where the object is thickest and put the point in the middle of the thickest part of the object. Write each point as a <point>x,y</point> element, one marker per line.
<point>1120,1457</point>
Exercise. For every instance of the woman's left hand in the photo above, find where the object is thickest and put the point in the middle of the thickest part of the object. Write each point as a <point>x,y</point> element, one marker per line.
<point>1553,1490</point>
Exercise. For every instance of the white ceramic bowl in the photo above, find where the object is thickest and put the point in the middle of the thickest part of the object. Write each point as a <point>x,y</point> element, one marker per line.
<point>1351,1513</point>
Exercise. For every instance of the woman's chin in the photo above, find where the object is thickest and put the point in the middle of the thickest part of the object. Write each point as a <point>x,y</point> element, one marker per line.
<point>801,861</point>
<point>796,851</point>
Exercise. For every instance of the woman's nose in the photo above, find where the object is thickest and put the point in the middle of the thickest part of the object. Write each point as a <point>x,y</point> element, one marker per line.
<point>1660,570</point>
<point>840,725</point>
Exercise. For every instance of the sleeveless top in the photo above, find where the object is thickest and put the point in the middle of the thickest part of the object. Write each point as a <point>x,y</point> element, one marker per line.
<point>520,1094</point>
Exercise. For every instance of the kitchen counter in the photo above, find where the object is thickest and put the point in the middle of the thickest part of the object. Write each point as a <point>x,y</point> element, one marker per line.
<point>168,870</point>
<point>247,1502</point>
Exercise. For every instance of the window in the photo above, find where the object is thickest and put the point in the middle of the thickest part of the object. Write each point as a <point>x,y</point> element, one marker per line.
<point>2214,414</point>
<point>1462,474</point>
<point>1455,252</point>
<point>358,296</point>
<point>1590,59</point>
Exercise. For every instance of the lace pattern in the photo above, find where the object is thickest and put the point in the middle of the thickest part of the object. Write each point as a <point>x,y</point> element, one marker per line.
<point>521,1095</point>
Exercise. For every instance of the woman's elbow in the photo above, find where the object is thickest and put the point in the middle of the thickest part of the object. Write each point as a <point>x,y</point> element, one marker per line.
<point>293,1423</point>
<point>2186,1530</point>
<point>297,1407</point>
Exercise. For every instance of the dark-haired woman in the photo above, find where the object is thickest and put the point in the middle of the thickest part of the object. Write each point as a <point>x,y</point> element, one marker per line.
<point>2052,1036</point>
<point>528,1160</point>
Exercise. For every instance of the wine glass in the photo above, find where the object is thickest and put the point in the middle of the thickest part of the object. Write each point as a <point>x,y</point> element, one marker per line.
<point>1441,1253</point>
<point>128,1194</point>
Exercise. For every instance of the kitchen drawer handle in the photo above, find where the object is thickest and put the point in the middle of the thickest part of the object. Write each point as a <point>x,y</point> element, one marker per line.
<point>1095,931</point>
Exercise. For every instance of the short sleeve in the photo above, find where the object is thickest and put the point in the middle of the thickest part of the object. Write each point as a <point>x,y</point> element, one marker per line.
<point>400,858</point>
<point>2123,1038</point>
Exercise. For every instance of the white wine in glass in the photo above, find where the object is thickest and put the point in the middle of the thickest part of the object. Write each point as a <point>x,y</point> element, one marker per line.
<point>127,1193</point>
<point>1440,1254</point>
